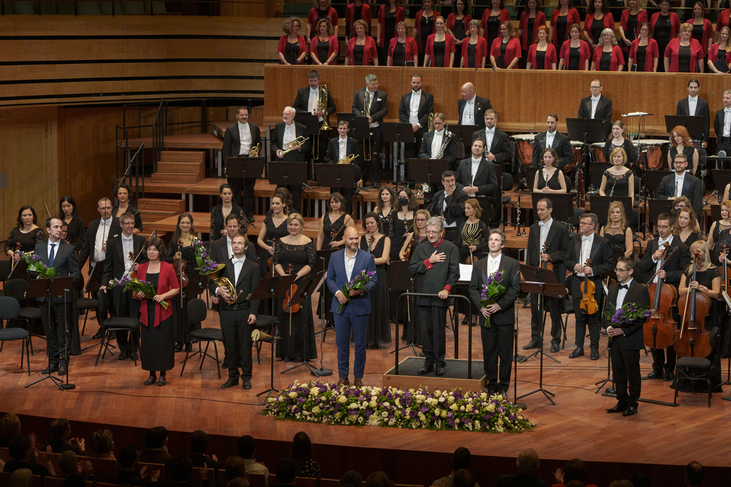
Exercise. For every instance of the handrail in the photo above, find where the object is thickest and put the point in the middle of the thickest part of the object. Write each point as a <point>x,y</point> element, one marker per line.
<point>158,133</point>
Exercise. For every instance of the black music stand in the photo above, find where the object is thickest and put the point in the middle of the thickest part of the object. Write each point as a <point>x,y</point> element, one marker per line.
<point>336,176</point>
<point>530,176</point>
<point>656,207</point>
<point>588,131</point>
<point>539,274</point>
<point>322,260</point>
<point>696,125</point>
<point>428,171</point>
<point>654,178</point>
<point>399,134</point>
<point>280,172</point>
<point>400,279</point>
<point>724,162</point>
<point>238,167</point>
<point>721,178</point>
<point>563,205</point>
<point>312,124</point>
<point>309,285</point>
<point>600,207</point>
<point>597,171</point>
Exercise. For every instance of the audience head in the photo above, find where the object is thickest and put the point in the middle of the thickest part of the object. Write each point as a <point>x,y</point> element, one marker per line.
<point>247,446</point>
<point>235,468</point>
<point>574,483</point>
<point>575,470</point>
<point>9,425</point>
<point>351,477</point>
<point>640,480</point>
<point>198,442</point>
<point>621,483</point>
<point>527,461</point>
<point>464,478</point>
<point>19,447</point>
<point>68,463</point>
<point>127,457</point>
<point>20,478</point>
<point>285,471</point>
<point>301,447</point>
<point>461,458</point>
<point>694,474</point>
<point>156,437</point>
<point>237,482</point>
<point>60,428</point>
<point>179,468</point>
<point>378,479</point>
<point>102,442</point>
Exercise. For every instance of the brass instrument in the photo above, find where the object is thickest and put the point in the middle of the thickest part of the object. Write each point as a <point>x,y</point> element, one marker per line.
<point>261,336</point>
<point>254,152</point>
<point>430,123</point>
<point>348,159</point>
<point>322,105</point>
<point>445,141</point>
<point>367,113</point>
<point>225,283</point>
<point>290,146</point>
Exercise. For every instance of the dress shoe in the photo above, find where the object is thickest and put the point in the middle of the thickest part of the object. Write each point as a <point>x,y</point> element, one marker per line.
<point>98,334</point>
<point>62,369</point>
<point>531,345</point>
<point>358,382</point>
<point>230,383</point>
<point>343,382</point>
<point>425,369</point>
<point>668,376</point>
<point>439,371</point>
<point>554,348</point>
<point>630,411</point>
<point>122,356</point>
<point>224,365</point>
<point>618,408</point>
<point>163,381</point>
<point>50,369</point>
<point>188,347</point>
<point>134,356</point>
<point>655,375</point>
<point>595,354</point>
<point>150,380</point>
<point>579,352</point>
<point>178,347</point>
<point>247,384</point>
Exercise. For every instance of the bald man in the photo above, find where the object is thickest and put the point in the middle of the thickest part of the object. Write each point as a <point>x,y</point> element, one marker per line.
<point>284,132</point>
<point>527,463</point>
<point>471,108</point>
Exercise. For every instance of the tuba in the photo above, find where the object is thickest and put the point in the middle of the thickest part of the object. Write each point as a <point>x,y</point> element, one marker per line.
<point>322,105</point>
<point>430,123</point>
<point>254,152</point>
<point>225,283</point>
<point>445,141</point>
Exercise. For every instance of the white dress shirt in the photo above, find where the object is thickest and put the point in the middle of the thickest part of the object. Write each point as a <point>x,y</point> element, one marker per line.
<point>372,101</point>
<point>475,167</point>
<point>229,250</point>
<point>127,248</point>
<point>727,122</point>
<point>586,244</point>
<point>245,138</point>
<point>493,264</point>
<point>679,180</point>
<point>436,142</point>
<point>622,293</point>
<point>102,234</point>
<point>342,147</point>
<point>312,101</point>
<point>692,104</point>
<point>468,113</point>
<point>594,104</point>
<point>290,133</point>
<point>489,135</point>
<point>660,245</point>
<point>545,228</point>
<point>238,265</point>
<point>349,264</point>
<point>549,138</point>
<point>414,107</point>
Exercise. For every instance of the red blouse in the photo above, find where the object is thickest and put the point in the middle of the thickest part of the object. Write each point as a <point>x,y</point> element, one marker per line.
<point>312,17</point>
<point>166,281</point>
<point>382,22</point>
<point>410,49</point>
<point>511,51</point>
<point>417,27</point>
<point>365,15</point>
<point>672,52</point>
<point>707,34</point>
<point>651,53</point>
<point>641,17</point>
<point>369,50</point>
<point>548,59</point>
<point>448,49</point>
<point>584,53</point>
<point>713,54</point>
<point>282,47</point>
<point>523,24</point>
<point>334,46</point>
<point>616,61</point>
<point>480,51</point>
<point>572,17</point>
<point>723,19</point>
<point>608,24</point>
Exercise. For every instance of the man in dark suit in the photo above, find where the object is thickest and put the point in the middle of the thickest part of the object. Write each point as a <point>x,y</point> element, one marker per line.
<point>548,241</point>
<point>117,265</point>
<point>338,148</point>
<point>448,204</point>
<point>681,184</point>
<point>286,132</point>
<point>60,255</point>
<point>432,143</point>
<point>472,108</point>
<point>588,246</point>
<point>527,463</point>
<point>97,234</point>
<point>597,106</point>
<point>238,141</point>
<point>722,124</point>
<point>238,318</point>
<point>376,111</point>
<point>436,264</point>
<point>694,105</point>
<point>479,178</point>
<point>307,100</point>
<point>552,138</point>
<point>497,340</point>
<point>415,108</point>
<point>497,144</point>
<point>673,269</point>
<point>626,340</point>
<point>344,266</point>
<point>222,248</point>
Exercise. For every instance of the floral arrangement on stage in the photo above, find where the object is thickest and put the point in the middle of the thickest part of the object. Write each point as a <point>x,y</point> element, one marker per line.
<point>491,292</point>
<point>355,284</point>
<point>327,403</point>
<point>36,265</point>
<point>135,285</point>
<point>626,315</point>
<point>206,265</point>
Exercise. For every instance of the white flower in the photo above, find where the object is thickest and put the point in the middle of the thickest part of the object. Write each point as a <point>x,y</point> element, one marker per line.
<point>360,419</point>
<point>441,399</point>
<point>292,395</point>
<point>314,391</point>
<point>338,414</point>
<point>342,399</point>
<point>316,410</point>
<point>450,399</point>
<point>373,403</point>
<point>453,407</point>
<point>490,408</point>
<point>384,414</point>
<point>461,408</point>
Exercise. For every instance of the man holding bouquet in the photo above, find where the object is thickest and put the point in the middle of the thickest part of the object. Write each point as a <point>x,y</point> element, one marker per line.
<point>351,274</point>
<point>495,284</point>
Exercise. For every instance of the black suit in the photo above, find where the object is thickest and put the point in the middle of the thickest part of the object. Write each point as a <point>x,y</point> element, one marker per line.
<point>625,348</point>
<point>561,144</point>
<point>66,264</point>
<point>378,110</point>
<point>220,251</point>
<point>481,106</point>
<point>450,151</point>
<point>497,341</point>
<point>602,262</point>
<point>722,143</point>
<point>87,251</point>
<point>485,180</point>
<point>500,146</point>
<point>300,155</point>
<point>701,110</point>
<point>556,246</point>
<point>333,155</point>
<point>232,148</point>
<point>454,211</point>
<point>691,189</point>
<point>603,111</point>
<point>426,106</point>
<point>302,100</point>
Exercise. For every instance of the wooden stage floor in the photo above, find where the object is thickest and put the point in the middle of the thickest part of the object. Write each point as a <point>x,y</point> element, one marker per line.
<point>576,426</point>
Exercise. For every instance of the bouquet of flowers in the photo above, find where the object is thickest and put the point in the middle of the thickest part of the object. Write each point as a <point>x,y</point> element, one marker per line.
<point>355,284</point>
<point>135,285</point>
<point>626,315</point>
<point>206,265</point>
<point>35,265</point>
<point>491,292</point>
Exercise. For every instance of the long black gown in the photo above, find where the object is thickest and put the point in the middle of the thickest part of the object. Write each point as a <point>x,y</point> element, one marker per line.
<point>180,322</point>
<point>156,350</point>
<point>332,231</point>
<point>273,233</point>
<point>617,185</point>
<point>379,325</point>
<point>397,229</point>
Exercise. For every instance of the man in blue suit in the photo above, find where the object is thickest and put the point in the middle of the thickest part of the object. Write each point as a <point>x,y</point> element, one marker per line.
<point>345,265</point>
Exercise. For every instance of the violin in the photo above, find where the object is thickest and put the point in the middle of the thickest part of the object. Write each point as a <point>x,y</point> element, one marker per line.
<point>546,264</point>
<point>692,340</point>
<point>659,329</point>
<point>180,266</point>
<point>588,302</point>
<point>288,296</point>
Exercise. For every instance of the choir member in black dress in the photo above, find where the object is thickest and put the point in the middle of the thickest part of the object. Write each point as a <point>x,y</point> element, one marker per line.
<point>549,179</point>
<point>424,24</point>
<point>618,180</point>
<point>458,26</point>
<point>292,48</point>
<point>70,214</point>
<point>386,208</point>
<point>618,140</point>
<point>575,54</point>
<point>402,50</point>
<point>629,25</point>
<point>123,205</point>
<point>222,210</point>
<point>723,224</point>
<point>680,139</point>
<point>665,27</point>
<point>182,249</point>
<point>322,10</point>
<point>157,334</point>
<point>617,231</point>
<point>379,245</point>
<point>25,235</point>
<point>324,46</point>
<point>644,54</point>
<point>608,55</point>
<point>390,15</point>
<point>598,18</point>
<point>294,254</point>
<point>686,227</point>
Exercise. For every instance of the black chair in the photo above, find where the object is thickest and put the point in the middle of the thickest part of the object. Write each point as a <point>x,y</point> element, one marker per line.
<point>10,309</point>
<point>698,369</point>
<point>197,312</point>
<point>85,304</point>
<point>16,288</point>
<point>265,323</point>
<point>568,309</point>
<point>113,325</point>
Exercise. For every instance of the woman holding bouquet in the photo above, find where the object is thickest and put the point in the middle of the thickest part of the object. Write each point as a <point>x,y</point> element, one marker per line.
<point>157,335</point>
<point>378,245</point>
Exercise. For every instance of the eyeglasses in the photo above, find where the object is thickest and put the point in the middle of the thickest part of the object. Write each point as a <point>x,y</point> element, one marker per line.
<point>432,232</point>
<point>617,269</point>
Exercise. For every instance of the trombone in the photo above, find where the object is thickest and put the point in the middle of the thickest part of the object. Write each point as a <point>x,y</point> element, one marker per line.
<point>294,144</point>
<point>321,105</point>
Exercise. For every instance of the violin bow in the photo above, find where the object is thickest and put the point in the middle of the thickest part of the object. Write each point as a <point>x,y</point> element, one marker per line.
<point>667,257</point>
<point>134,261</point>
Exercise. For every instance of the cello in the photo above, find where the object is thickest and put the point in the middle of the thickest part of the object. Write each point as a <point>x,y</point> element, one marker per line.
<point>588,289</point>
<point>692,340</point>
<point>659,329</point>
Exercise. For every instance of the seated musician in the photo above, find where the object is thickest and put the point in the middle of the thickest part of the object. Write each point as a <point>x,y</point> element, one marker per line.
<point>680,184</point>
<point>338,150</point>
<point>479,178</point>
<point>439,143</point>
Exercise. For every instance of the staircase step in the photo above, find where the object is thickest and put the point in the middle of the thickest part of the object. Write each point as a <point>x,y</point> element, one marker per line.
<point>182,156</point>
<point>184,167</point>
<point>163,204</point>
<point>175,177</point>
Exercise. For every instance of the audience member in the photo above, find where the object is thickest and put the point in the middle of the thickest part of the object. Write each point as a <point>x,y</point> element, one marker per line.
<point>247,450</point>
<point>305,465</point>
<point>198,446</point>
<point>102,444</point>
<point>238,482</point>
<point>74,472</point>
<point>641,480</point>
<point>21,478</point>
<point>527,463</point>
<point>378,479</point>
<point>351,477</point>
<point>61,439</point>
<point>179,471</point>
<point>235,468</point>
<point>461,459</point>
<point>285,472</point>
<point>575,470</point>
<point>694,473</point>
<point>156,446</point>
<point>575,483</point>
<point>9,427</point>
<point>464,478</point>
<point>622,482</point>
<point>25,456</point>
<point>127,465</point>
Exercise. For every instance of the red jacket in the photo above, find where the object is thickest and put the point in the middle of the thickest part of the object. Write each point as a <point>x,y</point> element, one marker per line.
<point>674,23</point>
<point>369,50</point>
<point>548,59</point>
<point>713,54</point>
<point>641,17</point>
<point>312,17</point>
<point>382,22</point>
<point>504,17</point>
<point>617,57</point>
<point>511,52</point>
<point>572,18</point>
<point>166,281</point>
<point>452,19</point>
<point>365,15</point>
<point>650,54</point>
<point>672,52</point>
<point>448,48</point>
<point>480,51</point>
<point>417,27</point>
<point>283,44</point>
<point>584,54</point>
<point>410,49</point>
<point>334,47</point>
<point>608,24</point>
<point>523,24</point>
<point>707,34</point>
<point>723,19</point>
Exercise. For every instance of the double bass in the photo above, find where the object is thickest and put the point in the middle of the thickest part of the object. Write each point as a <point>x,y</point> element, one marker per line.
<point>692,340</point>
<point>588,289</point>
<point>659,330</point>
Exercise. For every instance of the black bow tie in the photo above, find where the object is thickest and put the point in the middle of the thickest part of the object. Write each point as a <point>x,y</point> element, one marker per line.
<point>624,286</point>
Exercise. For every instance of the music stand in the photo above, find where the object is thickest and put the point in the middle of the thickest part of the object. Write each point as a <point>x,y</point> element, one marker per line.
<point>588,131</point>
<point>336,176</point>
<point>563,204</point>
<point>600,207</point>
<point>597,171</point>
<point>540,274</point>
<point>398,134</point>
<point>400,279</point>
<point>696,125</point>
<point>428,170</point>
<point>656,207</point>
<point>280,172</point>
<point>20,271</point>
<point>237,167</point>
<point>654,178</point>
<point>724,162</point>
<point>721,178</point>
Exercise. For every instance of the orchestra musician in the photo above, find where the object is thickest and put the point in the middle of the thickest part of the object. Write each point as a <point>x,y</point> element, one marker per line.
<point>97,234</point>
<point>694,105</point>
<point>414,108</point>
<point>479,178</point>
<point>681,183</point>
<point>123,206</point>
<point>448,206</point>
<point>222,248</point>
<point>497,145</point>
<point>338,149</point>
<point>69,213</point>
<point>25,235</point>
<point>220,213</point>
<point>439,143</point>
<point>554,139</point>
<point>307,101</point>
<point>375,111</point>
<point>286,132</point>
<point>722,125</point>
<point>471,108</point>
<point>238,141</point>
<point>597,106</point>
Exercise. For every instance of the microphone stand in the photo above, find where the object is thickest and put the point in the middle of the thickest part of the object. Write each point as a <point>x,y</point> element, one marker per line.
<point>67,339</point>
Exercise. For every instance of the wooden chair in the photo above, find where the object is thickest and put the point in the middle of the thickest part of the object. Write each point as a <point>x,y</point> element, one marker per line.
<point>151,467</point>
<point>306,482</point>
<point>104,468</point>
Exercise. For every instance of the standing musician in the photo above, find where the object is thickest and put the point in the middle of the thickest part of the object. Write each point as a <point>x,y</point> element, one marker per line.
<point>437,266</point>
<point>554,139</point>
<point>588,246</point>
<point>722,125</point>
<point>376,109</point>
<point>626,341</point>
<point>118,264</point>
<point>670,274</point>
<point>222,248</point>
<point>97,235</point>
<point>448,206</point>
<point>237,318</point>
<point>338,149</point>
<point>472,108</point>
<point>60,255</point>
<point>597,106</point>
<point>238,141</point>
<point>479,178</point>
<point>414,108</point>
<point>439,143</point>
<point>286,132</point>
<point>497,147</point>
<point>682,184</point>
<point>497,341</point>
<point>307,100</point>
<point>694,105</point>
<point>344,265</point>
<point>548,242</point>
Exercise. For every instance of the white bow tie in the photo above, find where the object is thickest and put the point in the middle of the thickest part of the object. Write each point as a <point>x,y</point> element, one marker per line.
<point>585,239</point>
<point>542,224</point>
<point>238,261</point>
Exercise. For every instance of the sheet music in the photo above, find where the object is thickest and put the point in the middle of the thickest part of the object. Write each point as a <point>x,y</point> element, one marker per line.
<point>465,272</point>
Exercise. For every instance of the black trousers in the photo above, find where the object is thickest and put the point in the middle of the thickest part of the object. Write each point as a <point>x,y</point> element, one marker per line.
<point>55,328</point>
<point>372,160</point>
<point>497,342</point>
<point>246,200</point>
<point>237,341</point>
<point>495,196</point>
<point>583,319</point>
<point>433,334</point>
<point>553,306</point>
<point>626,368</point>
